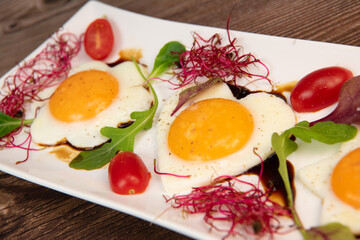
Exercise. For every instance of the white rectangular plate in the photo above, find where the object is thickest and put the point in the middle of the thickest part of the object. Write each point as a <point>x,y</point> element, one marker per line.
<point>287,59</point>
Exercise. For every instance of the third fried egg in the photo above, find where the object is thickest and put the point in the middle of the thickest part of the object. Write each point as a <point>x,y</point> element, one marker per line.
<point>335,180</point>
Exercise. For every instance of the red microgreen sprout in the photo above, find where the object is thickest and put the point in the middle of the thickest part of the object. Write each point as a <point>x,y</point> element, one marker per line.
<point>46,69</point>
<point>249,212</point>
<point>209,58</point>
<point>168,174</point>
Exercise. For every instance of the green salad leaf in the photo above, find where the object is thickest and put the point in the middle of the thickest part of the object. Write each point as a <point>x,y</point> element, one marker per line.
<point>283,147</point>
<point>168,56</point>
<point>122,139</point>
<point>9,124</point>
<point>326,132</point>
<point>332,231</point>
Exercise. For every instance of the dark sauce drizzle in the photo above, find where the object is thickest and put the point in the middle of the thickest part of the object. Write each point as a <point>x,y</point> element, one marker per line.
<point>118,61</point>
<point>270,178</point>
<point>238,91</point>
<point>65,142</point>
<point>241,92</point>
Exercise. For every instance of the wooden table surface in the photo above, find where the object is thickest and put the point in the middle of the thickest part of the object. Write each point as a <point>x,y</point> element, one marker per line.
<point>29,211</point>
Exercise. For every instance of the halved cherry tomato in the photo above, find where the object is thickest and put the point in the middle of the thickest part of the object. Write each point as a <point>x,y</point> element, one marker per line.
<point>128,174</point>
<point>319,89</point>
<point>99,39</point>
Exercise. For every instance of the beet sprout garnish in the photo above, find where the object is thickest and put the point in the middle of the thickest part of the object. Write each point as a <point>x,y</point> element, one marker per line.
<point>208,58</point>
<point>250,212</point>
<point>169,174</point>
<point>46,69</point>
<point>261,165</point>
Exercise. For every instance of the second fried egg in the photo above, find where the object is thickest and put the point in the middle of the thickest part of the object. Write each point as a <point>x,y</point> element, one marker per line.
<point>215,134</point>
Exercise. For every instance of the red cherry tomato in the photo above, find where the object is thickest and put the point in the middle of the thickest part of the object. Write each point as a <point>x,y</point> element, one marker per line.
<point>319,89</point>
<point>99,39</point>
<point>128,174</point>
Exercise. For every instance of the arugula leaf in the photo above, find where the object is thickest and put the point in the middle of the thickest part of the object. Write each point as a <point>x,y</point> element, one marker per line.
<point>168,56</point>
<point>9,124</point>
<point>331,231</point>
<point>122,139</point>
<point>326,132</point>
<point>283,147</point>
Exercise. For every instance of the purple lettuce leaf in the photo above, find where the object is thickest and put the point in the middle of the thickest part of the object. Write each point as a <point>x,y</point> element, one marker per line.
<point>190,92</point>
<point>348,108</point>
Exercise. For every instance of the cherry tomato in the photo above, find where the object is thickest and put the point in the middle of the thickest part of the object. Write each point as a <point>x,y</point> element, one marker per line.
<point>99,39</point>
<point>319,89</point>
<point>128,174</point>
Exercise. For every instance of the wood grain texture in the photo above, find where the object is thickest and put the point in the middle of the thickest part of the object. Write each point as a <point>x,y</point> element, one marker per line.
<point>29,211</point>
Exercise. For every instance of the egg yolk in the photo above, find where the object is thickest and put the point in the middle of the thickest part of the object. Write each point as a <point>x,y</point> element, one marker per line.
<point>210,129</point>
<point>83,95</point>
<point>346,177</point>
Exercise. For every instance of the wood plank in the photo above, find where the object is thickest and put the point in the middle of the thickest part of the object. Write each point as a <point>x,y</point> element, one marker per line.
<point>29,211</point>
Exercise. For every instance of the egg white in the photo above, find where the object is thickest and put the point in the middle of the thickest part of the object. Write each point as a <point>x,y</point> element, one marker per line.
<point>47,130</point>
<point>317,177</point>
<point>270,114</point>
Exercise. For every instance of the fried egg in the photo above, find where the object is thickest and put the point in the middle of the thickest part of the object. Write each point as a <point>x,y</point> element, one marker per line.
<point>215,134</point>
<point>93,96</point>
<point>336,181</point>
